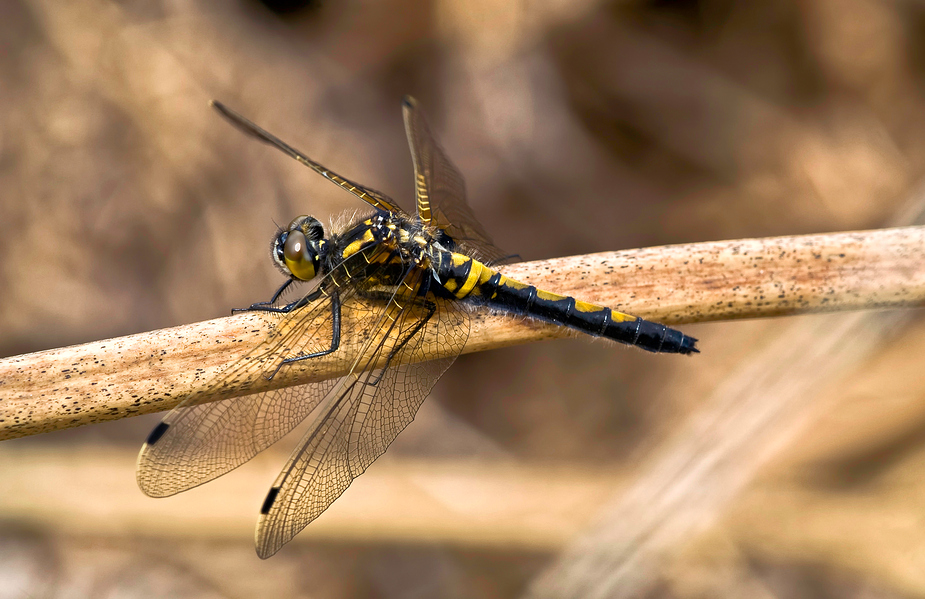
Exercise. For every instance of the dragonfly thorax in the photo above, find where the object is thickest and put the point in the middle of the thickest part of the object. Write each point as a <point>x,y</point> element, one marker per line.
<point>416,243</point>
<point>298,249</point>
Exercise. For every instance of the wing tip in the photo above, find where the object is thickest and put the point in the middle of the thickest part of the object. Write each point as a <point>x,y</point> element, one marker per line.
<point>266,552</point>
<point>267,544</point>
<point>219,107</point>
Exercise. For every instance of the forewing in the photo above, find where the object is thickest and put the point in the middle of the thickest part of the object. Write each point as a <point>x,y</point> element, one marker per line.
<point>197,442</point>
<point>370,196</point>
<point>363,414</point>
<point>440,190</point>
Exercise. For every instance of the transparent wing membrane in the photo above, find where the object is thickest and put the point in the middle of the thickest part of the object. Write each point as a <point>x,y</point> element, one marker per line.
<point>196,443</point>
<point>364,413</point>
<point>440,190</point>
<point>207,440</point>
<point>371,196</point>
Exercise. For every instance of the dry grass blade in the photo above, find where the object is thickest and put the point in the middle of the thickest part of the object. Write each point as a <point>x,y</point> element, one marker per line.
<point>151,372</point>
<point>770,397</point>
<point>745,422</point>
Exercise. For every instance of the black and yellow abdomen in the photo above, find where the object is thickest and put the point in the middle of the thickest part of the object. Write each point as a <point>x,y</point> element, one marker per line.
<point>465,278</point>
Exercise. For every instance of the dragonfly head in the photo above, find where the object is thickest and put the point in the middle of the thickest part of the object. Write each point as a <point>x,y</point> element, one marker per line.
<point>297,249</point>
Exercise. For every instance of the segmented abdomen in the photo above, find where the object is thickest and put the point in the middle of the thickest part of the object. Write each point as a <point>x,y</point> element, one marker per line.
<point>463,277</point>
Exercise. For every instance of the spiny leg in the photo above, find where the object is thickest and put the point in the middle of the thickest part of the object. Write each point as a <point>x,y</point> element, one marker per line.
<point>268,306</point>
<point>335,331</point>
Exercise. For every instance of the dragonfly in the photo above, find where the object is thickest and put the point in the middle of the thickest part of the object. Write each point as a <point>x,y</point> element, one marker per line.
<point>412,281</point>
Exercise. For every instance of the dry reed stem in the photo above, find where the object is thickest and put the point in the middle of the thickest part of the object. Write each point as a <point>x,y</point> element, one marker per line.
<point>93,493</point>
<point>155,371</point>
<point>771,397</point>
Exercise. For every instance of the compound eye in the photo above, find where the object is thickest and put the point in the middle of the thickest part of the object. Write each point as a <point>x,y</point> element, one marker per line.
<point>299,256</point>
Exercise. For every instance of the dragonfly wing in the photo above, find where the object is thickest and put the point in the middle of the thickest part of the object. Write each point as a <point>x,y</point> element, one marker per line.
<point>371,196</point>
<point>197,442</point>
<point>440,189</point>
<point>363,414</point>
<point>202,442</point>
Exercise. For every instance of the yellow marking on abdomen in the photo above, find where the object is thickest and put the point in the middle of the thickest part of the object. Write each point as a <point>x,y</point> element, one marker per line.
<point>587,307</point>
<point>549,297</point>
<point>476,272</point>
<point>513,284</point>
<point>620,316</point>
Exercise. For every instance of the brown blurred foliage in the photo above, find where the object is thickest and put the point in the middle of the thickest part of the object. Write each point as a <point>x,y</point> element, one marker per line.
<point>580,126</point>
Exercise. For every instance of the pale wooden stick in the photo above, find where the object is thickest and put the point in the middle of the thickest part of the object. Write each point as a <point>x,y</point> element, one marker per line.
<point>155,371</point>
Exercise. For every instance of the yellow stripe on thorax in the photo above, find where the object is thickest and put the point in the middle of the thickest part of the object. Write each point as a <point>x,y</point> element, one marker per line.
<point>357,245</point>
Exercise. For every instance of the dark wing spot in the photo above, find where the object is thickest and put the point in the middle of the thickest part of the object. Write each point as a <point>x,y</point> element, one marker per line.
<point>268,502</point>
<point>157,433</point>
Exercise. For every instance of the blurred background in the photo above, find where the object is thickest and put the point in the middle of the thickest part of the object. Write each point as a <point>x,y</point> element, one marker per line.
<point>787,460</point>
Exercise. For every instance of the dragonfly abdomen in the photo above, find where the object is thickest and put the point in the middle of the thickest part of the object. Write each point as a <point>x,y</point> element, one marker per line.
<point>466,278</point>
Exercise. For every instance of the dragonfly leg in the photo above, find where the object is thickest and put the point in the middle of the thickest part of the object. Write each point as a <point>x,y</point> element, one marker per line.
<point>268,306</point>
<point>335,333</point>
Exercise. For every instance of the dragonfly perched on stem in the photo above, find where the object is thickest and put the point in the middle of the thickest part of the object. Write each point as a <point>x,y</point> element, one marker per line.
<point>413,279</point>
